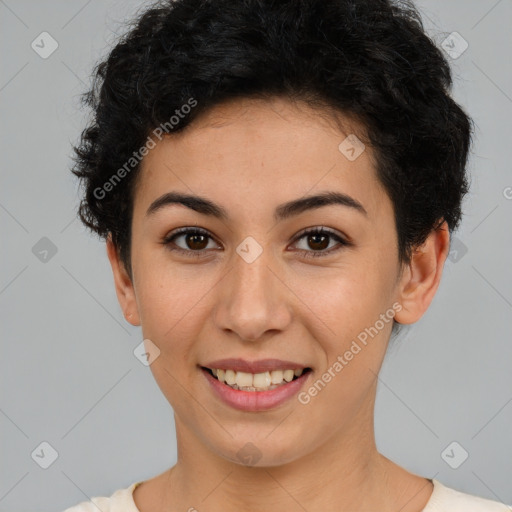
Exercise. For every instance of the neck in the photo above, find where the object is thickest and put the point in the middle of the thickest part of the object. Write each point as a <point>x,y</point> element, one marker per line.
<point>345,473</point>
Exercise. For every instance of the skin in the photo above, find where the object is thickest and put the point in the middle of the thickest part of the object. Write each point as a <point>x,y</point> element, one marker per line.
<point>250,156</point>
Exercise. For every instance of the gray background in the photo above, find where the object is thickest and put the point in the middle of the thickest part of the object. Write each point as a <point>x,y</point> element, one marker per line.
<point>68,373</point>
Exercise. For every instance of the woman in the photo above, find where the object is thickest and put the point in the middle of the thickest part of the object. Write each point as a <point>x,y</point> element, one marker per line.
<point>276,183</point>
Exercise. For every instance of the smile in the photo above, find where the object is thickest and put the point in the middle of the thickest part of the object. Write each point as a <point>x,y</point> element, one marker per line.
<point>255,392</point>
<point>265,381</point>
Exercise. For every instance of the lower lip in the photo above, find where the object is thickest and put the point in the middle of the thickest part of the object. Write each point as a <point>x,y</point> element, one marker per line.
<point>254,401</point>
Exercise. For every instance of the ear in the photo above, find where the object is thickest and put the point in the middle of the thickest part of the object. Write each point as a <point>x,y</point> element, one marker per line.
<point>123,283</point>
<point>421,277</point>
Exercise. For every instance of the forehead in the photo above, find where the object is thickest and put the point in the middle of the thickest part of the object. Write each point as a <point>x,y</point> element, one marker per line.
<point>249,151</point>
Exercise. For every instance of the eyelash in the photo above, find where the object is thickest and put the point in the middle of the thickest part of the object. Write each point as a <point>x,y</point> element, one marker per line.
<point>168,240</point>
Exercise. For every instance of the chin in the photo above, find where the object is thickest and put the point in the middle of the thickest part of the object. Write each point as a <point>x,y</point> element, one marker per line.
<point>261,451</point>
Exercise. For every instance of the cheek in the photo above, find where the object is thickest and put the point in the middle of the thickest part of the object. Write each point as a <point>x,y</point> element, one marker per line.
<point>354,353</point>
<point>354,296</point>
<point>173,309</point>
<point>165,290</point>
<point>352,305</point>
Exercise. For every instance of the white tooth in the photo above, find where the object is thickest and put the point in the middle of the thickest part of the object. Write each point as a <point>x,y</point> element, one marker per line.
<point>214,371</point>
<point>261,380</point>
<point>276,376</point>
<point>243,379</point>
<point>230,377</point>
<point>288,375</point>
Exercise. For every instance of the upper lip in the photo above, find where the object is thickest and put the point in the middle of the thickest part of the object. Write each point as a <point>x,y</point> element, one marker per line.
<point>260,366</point>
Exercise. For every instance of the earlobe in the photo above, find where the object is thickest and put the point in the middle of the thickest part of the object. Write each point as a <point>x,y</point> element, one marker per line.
<point>123,284</point>
<point>422,276</point>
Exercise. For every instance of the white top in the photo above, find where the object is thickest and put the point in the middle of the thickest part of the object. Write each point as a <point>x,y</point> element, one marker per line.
<point>443,499</point>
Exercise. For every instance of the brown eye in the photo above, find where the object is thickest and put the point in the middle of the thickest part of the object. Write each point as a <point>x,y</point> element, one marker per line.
<point>195,241</point>
<point>318,240</point>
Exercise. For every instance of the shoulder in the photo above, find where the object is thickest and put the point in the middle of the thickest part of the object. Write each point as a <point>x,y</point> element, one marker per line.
<point>444,499</point>
<point>120,501</point>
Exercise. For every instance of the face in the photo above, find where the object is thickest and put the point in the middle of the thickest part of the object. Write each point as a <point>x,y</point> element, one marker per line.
<point>254,285</point>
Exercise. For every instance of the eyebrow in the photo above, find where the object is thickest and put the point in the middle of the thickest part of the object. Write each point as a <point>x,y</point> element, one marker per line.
<point>282,212</point>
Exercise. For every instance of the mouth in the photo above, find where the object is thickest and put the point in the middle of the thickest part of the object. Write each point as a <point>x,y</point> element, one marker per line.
<point>255,386</point>
<point>256,382</point>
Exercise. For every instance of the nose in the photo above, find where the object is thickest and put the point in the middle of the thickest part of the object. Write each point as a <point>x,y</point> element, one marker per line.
<point>253,299</point>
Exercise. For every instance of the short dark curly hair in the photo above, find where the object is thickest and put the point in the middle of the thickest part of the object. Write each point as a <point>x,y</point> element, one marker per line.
<point>367,59</point>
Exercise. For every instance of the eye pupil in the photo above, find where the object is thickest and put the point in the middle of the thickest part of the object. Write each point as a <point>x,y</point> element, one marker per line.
<point>317,236</point>
<point>195,238</point>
